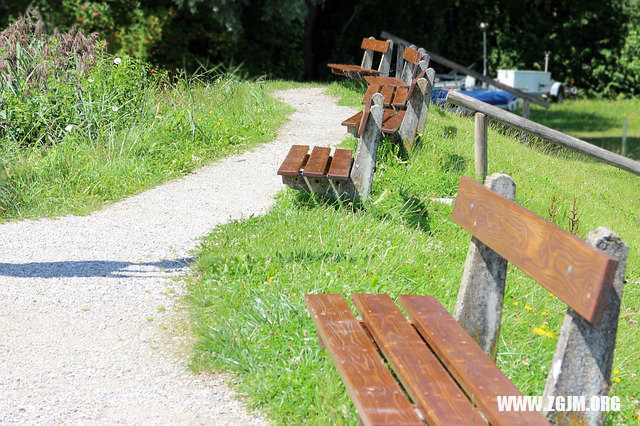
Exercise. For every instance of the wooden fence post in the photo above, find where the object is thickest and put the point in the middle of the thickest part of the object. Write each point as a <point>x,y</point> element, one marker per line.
<point>481,295</point>
<point>365,159</point>
<point>480,147</point>
<point>584,353</point>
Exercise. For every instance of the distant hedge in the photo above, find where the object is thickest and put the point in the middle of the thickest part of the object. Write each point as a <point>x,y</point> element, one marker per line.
<point>593,45</point>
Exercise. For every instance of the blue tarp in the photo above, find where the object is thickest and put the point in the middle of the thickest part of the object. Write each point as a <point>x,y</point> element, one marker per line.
<point>493,97</point>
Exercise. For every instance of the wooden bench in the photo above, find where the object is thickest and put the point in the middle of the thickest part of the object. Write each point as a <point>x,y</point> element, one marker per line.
<point>444,363</point>
<point>370,46</point>
<point>405,99</point>
<point>319,171</point>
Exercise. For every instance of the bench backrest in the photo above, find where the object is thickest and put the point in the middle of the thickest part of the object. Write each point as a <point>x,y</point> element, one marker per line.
<point>579,274</point>
<point>371,45</point>
<point>411,69</point>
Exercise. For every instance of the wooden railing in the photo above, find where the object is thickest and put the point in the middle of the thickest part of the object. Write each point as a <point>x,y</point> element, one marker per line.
<point>484,110</point>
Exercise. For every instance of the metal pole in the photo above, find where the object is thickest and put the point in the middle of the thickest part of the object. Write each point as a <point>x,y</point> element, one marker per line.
<point>484,51</point>
<point>624,135</point>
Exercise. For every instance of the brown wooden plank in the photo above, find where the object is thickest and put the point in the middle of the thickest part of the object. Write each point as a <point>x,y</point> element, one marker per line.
<point>293,161</point>
<point>318,162</point>
<point>340,164</point>
<point>387,93</point>
<point>466,361</point>
<point>375,45</point>
<point>375,393</point>
<point>411,55</point>
<point>425,379</point>
<point>401,97</point>
<point>385,81</point>
<point>343,69</point>
<point>353,121</point>
<point>392,124</point>
<point>579,274</point>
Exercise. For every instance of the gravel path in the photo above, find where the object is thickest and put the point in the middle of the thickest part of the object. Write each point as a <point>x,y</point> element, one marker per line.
<point>91,326</point>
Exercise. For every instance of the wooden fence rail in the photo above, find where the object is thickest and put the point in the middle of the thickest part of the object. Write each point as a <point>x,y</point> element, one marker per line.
<point>535,129</point>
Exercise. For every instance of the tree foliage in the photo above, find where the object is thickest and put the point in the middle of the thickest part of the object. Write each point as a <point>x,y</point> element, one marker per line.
<point>593,45</point>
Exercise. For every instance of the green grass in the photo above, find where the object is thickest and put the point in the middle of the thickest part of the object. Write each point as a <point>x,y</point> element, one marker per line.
<point>181,127</point>
<point>247,298</point>
<point>596,121</point>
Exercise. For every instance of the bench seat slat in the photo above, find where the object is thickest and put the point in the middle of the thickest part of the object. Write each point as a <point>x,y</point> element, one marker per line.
<point>429,384</point>
<point>401,97</point>
<point>387,93</point>
<point>294,161</point>
<point>392,124</point>
<point>318,162</point>
<point>343,69</point>
<point>481,379</point>
<point>386,81</point>
<point>353,121</point>
<point>340,164</point>
<point>377,396</point>
<point>579,274</point>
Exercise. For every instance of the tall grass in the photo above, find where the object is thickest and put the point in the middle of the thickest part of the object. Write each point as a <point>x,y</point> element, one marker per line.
<point>79,128</point>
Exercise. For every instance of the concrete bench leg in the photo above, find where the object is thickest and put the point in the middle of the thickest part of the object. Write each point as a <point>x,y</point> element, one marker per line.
<point>584,353</point>
<point>366,154</point>
<point>481,295</point>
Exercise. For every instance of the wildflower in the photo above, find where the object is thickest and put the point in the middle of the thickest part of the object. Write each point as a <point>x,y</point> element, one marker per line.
<point>538,331</point>
<point>543,326</point>
<point>617,379</point>
<point>68,128</point>
<point>117,61</point>
<point>90,80</point>
<point>270,279</point>
<point>528,308</point>
<point>115,108</point>
<point>550,334</point>
<point>545,313</point>
<point>551,294</point>
<point>515,303</point>
<point>616,371</point>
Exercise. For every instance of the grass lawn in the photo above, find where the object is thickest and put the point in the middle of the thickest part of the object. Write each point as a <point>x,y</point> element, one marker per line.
<point>247,297</point>
<point>596,121</point>
<point>180,127</point>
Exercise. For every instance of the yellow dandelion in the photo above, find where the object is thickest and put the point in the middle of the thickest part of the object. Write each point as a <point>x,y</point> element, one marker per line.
<point>545,313</point>
<point>528,308</point>
<point>543,326</point>
<point>617,379</point>
<point>515,303</point>
<point>517,314</point>
<point>551,294</point>
<point>550,334</point>
<point>270,279</point>
<point>282,240</point>
<point>538,331</point>
<point>616,371</point>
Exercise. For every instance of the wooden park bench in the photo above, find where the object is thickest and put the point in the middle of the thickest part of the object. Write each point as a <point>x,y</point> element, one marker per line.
<point>338,175</point>
<point>370,46</point>
<point>444,363</point>
<point>405,98</point>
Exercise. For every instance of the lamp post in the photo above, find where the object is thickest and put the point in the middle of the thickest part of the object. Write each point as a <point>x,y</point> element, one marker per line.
<point>483,27</point>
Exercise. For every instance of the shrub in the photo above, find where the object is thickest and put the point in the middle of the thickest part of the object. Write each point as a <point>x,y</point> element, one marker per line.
<point>53,84</point>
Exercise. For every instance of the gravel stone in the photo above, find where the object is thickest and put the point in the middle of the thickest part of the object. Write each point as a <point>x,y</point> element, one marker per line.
<point>91,305</point>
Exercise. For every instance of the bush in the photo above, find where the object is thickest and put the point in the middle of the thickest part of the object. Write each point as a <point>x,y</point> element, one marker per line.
<point>54,84</point>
